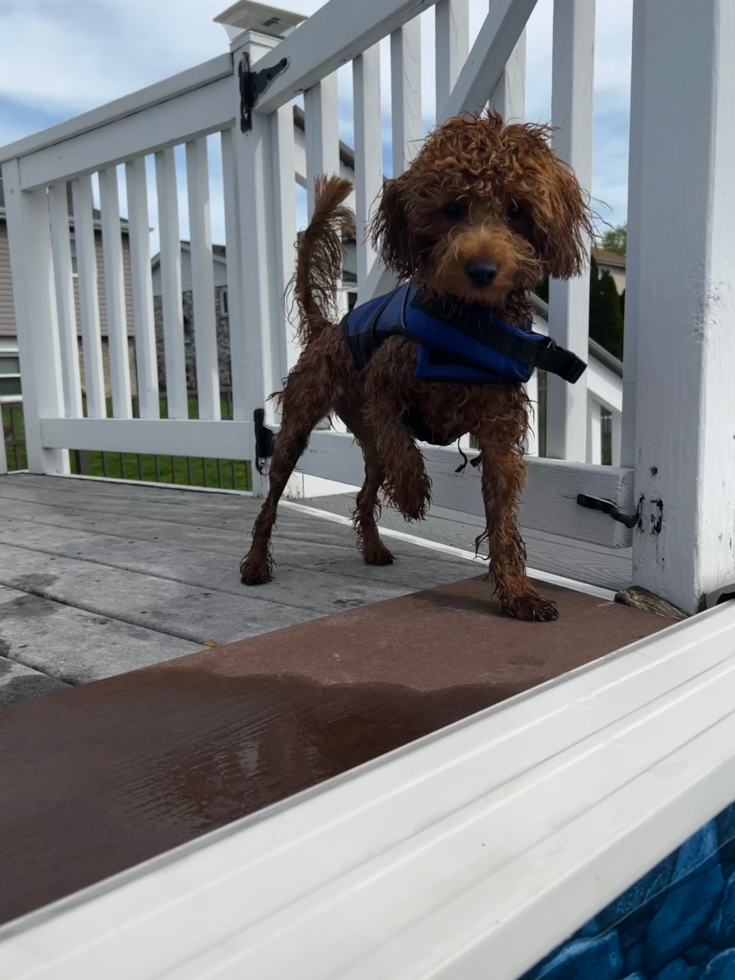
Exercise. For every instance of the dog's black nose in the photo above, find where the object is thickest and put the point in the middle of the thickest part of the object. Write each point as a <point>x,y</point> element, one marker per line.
<point>481,273</point>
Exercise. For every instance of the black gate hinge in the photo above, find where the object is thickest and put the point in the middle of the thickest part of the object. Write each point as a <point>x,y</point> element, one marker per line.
<point>264,438</point>
<point>252,86</point>
<point>609,508</point>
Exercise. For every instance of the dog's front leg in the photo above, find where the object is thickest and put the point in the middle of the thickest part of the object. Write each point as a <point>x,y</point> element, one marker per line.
<point>503,476</point>
<point>387,398</point>
<point>407,484</point>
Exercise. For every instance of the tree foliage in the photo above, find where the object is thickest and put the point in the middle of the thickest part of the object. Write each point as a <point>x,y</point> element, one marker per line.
<point>615,239</point>
<point>606,310</point>
<point>606,318</point>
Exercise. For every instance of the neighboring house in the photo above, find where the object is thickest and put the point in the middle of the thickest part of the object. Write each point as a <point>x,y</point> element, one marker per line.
<point>611,264</point>
<point>9,365</point>
<point>222,312</point>
<point>221,306</point>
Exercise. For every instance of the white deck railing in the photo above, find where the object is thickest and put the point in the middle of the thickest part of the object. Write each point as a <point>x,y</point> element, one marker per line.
<point>259,177</point>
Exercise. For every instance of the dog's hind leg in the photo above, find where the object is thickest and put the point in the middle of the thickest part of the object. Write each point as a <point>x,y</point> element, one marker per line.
<point>306,400</point>
<point>367,505</point>
<point>503,476</point>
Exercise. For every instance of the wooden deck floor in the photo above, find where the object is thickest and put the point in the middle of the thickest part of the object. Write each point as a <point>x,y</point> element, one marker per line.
<point>97,579</point>
<point>247,696</point>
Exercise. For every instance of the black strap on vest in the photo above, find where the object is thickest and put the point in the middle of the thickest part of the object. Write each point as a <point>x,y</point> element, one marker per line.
<point>543,355</point>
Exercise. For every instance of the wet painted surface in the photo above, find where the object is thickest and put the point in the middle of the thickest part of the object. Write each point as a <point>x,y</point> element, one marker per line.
<point>677,922</point>
<point>99,778</point>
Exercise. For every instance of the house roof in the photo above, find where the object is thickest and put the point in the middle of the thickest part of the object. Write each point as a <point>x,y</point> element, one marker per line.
<point>219,253</point>
<point>346,153</point>
<point>603,257</point>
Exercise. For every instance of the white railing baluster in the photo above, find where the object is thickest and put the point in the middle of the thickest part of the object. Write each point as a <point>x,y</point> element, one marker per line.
<point>140,273</point>
<point>34,296</point>
<point>405,76</point>
<point>65,305</point>
<point>452,46</point>
<point>171,296</point>
<point>571,110</point>
<point>321,123</point>
<point>202,279</point>
<point>117,317</point>
<point>89,305</point>
<point>3,456</point>
<point>616,426</point>
<point>284,231</point>
<point>509,95</point>
<point>236,313</point>
<point>368,151</point>
<point>594,431</point>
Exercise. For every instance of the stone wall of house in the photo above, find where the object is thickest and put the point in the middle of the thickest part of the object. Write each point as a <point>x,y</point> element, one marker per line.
<point>676,923</point>
<point>223,342</point>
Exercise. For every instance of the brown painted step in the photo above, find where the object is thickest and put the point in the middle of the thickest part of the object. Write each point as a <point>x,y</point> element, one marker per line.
<point>99,778</point>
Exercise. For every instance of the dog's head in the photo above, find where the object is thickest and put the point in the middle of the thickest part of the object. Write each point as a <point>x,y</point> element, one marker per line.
<point>483,212</point>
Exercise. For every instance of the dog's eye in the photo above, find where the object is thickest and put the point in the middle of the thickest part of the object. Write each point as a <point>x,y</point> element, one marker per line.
<point>513,210</point>
<point>452,210</point>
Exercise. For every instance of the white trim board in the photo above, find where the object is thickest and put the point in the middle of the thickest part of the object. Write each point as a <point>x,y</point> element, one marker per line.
<point>486,843</point>
<point>549,499</point>
<point>202,438</point>
<point>193,114</point>
<point>333,35</point>
<point>185,81</point>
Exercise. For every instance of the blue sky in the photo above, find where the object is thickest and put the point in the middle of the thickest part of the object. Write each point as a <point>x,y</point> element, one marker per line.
<point>62,57</point>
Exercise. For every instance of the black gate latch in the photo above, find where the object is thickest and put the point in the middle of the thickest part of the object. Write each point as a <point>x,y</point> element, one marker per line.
<point>263,440</point>
<point>252,86</point>
<point>609,508</point>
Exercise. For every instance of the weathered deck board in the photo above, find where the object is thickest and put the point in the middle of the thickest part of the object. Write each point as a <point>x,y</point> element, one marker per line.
<point>69,645</point>
<point>605,567</point>
<point>115,577</point>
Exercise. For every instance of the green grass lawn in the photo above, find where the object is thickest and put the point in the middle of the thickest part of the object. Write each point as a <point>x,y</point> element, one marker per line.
<point>13,428</point>
<point>225,474</point>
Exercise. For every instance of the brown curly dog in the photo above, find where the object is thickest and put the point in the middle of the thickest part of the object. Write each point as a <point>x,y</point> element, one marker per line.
<point>483,213</point>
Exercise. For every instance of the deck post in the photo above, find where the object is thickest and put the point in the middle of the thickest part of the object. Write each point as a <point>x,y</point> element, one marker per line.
<point>254,166</point>
<point>34,293</point>
<point>683,311</point>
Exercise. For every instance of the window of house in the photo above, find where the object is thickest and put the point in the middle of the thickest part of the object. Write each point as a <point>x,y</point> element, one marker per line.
<point>224,308</point>
<point>9,375</point>
<point>73,244</point>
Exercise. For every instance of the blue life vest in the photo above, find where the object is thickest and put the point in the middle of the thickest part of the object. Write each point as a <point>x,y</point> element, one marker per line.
<point>464,345</point>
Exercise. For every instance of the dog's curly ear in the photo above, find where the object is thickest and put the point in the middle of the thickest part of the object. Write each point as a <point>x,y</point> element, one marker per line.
<point>566,223</point>
<point>389,231</point>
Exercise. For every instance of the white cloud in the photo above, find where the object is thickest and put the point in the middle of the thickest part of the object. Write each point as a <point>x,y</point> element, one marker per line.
<point>62,57</point>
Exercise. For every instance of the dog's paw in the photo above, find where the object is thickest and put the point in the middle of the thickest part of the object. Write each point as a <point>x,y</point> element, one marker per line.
<point>531,608</point>
<point>255,572</point>
<point>377,554</point>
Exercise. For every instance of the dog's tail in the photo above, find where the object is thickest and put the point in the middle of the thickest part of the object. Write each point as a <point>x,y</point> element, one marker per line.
<point>320,255</point>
